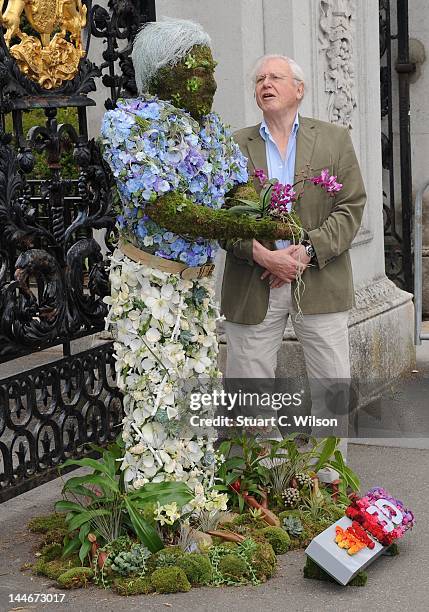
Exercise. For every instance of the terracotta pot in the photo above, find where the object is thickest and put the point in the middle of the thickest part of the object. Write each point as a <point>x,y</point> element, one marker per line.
<point>335,489</point>
<point>229,536</point>
<point>264,502</point>
<point>269,517</point>
<point>315,485</point>
<point>101,559</point>
<point>102,556</point>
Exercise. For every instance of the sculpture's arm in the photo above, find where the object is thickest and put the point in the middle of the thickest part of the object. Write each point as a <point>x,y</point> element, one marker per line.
<point>178,214</point>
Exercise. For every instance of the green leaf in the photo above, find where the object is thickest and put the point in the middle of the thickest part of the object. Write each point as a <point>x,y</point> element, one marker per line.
<point>144,531</point>
<point>84,492</point>
<point>244,210</point>
<point>234,462</point>
<point>97,466</point>
<point>224,448</point>
<point>83,532</point>
<point>94,479</point>
<point>231,477</point>
<point>86,516</point>
<point>67,506</point>
<point>248,203</point>
<point>71,546</point>
<point>84,550</point>
<point>164,492</point>
<point>326,453</point>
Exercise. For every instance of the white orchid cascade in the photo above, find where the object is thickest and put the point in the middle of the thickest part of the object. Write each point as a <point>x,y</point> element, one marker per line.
<point>165,348</point>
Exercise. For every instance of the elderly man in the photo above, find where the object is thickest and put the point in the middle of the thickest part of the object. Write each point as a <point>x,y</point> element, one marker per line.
<point>260,280</point>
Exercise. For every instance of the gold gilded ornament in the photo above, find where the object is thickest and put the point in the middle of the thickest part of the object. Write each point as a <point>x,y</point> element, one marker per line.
<point>48,61</point>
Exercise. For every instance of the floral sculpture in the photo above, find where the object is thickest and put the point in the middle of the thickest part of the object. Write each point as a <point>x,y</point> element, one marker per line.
<point>163,313</point>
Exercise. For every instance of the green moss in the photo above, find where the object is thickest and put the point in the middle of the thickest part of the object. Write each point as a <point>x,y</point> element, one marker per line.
<point>197,568</point>
<point>264,561</point>
<point>52,551</point>
<point>76,577</point>
<point>392,550</point>
<point>170,580</point>
<point>190,83</point>
<point>315,572</point>
<point>278,538</point>
<point>245,191</point>
<point>133,586</point>
<point>48,522</point>
<point>166,557</point>
<point>176,213</point>
<point>53,569</point>
<point>247,520</point>
<point>229,545</point>
<point>287,513</point>
<point>359,580</point>
<point>54,536</point>
<point>233,567</point>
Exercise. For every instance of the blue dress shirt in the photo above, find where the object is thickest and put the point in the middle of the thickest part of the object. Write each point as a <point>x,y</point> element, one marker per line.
<point>279,168</point>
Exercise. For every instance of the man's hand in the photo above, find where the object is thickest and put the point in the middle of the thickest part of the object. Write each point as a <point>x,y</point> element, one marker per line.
<point>275,281</point>
<point>283,265</point>
<point>300,255</point>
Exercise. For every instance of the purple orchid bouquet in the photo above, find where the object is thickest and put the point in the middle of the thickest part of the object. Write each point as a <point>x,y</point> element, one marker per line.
<point>276,199</point>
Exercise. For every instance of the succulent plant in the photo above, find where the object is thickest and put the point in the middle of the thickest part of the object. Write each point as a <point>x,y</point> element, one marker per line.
<point>303,480</point>
<point>293,526</point>
<point>132,561</point>
<point>290,497</point>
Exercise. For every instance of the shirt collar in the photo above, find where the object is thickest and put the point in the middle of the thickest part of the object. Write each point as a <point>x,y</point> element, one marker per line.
<point>265,132</point>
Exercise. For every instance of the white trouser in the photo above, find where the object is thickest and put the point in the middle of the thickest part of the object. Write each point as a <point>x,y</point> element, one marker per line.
<point>252,349</point>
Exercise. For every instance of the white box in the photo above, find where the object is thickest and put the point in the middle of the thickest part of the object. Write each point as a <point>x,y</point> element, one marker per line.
<point>335,560</point>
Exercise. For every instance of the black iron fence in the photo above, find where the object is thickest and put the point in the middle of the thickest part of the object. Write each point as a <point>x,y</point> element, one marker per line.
<point>396,149</point>
<point>53,270</point>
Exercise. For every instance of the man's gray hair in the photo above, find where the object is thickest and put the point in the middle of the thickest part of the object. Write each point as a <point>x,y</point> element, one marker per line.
<point>297,71</point>
<point>162,43</point>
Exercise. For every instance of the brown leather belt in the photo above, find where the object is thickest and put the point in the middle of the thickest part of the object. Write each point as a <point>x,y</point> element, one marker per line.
<point>165,265</point>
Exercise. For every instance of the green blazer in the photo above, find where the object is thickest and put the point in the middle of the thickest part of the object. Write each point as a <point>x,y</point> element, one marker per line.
<point>330,223</point>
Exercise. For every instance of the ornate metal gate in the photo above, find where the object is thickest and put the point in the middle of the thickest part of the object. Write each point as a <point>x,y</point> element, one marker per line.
<point>55,190</point>
<point>395,107</point>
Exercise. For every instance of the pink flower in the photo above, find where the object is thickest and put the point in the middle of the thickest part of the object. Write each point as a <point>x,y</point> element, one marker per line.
<point>327,182</point>
<point>260,175</point>
<point>282,197</point>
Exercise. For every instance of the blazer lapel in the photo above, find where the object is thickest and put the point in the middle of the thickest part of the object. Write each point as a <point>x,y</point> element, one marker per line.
<point>256,148</point>
<point>305,142</point>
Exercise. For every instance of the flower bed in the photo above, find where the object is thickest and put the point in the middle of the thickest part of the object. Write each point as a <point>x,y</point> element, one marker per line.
<point>167,537</point>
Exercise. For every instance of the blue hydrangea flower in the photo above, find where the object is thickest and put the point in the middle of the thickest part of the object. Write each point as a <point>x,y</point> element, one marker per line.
<point>173,153</point>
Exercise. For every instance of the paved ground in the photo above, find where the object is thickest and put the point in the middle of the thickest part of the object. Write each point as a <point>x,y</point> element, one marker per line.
<point>394,584</point>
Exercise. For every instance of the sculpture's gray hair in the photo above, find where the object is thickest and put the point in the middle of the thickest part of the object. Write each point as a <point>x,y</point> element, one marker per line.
<point>162,43</point>
<point>297,71</point>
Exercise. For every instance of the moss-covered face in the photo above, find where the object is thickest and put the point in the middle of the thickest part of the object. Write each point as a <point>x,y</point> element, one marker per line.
<point>190,84</point>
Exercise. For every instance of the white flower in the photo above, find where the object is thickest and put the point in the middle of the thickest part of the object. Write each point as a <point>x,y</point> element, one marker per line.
<point>138,449</point>
<point>158,306</point>
<point>153,434</point>
<point>167,514</point>
<point>153,335</point>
